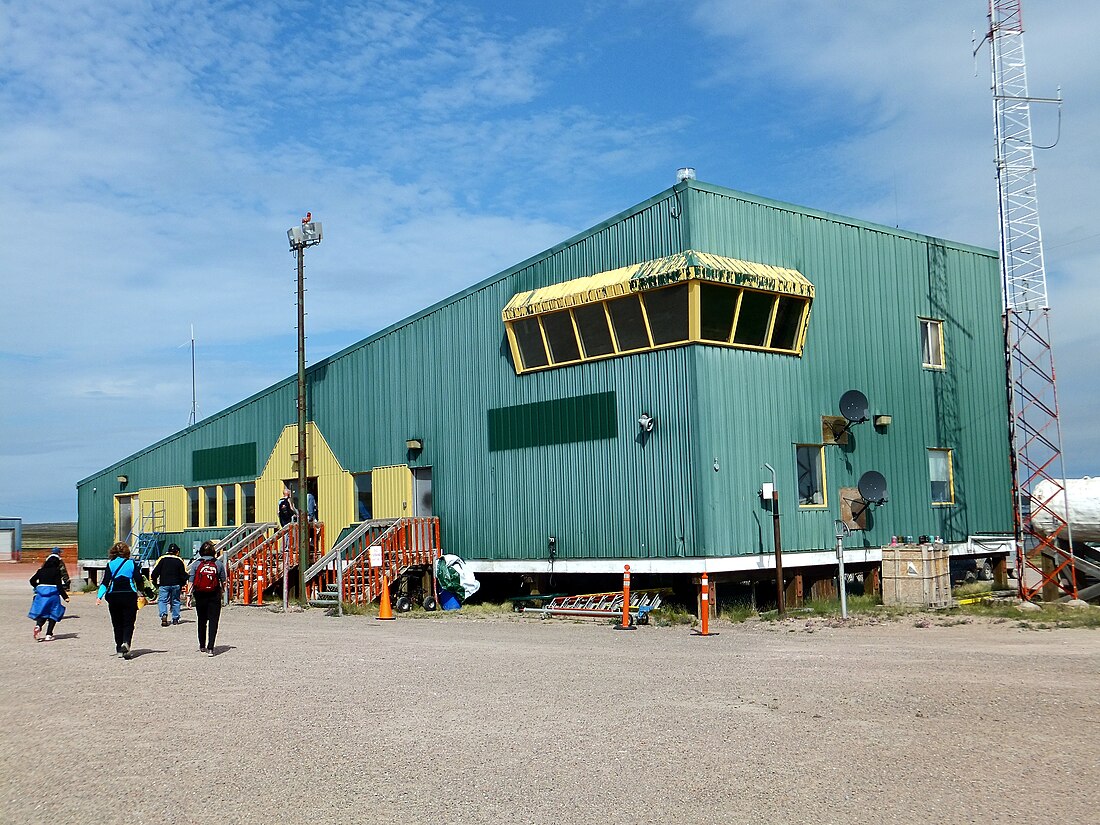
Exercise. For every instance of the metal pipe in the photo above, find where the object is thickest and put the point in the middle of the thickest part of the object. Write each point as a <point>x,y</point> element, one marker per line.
<point>780,595</point>
<point>841,531</point>
<point>303,519</point>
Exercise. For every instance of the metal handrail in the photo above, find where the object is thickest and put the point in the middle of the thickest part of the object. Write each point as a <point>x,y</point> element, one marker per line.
<point>259,533</point>
<point>327,559</point>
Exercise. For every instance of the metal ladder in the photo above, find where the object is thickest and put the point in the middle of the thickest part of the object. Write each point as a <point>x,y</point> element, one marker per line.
<point>602,605</point>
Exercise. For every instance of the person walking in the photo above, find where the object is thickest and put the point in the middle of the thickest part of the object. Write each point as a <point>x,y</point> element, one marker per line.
<point>50,588</point>
<point>287,511</point>
<point>120,586</point>
<point>65,581</point>
<point>169,575</point>
<point>205,582</point>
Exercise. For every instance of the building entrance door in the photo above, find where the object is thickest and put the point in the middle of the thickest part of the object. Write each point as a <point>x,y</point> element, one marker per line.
<point>422,492</point>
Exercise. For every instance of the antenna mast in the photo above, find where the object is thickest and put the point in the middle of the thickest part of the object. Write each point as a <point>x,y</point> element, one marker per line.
<point>194,397</point>
<point>1043,567</point>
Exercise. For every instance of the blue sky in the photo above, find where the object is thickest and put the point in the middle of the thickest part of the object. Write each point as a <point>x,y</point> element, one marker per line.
<point>153,154</point>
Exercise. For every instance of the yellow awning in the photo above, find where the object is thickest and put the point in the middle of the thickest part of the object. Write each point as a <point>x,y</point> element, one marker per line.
<point>683,266</point>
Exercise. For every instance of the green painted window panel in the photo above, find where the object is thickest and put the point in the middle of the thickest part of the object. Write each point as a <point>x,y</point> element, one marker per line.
<point>234,461</point>
<point>562,421</point>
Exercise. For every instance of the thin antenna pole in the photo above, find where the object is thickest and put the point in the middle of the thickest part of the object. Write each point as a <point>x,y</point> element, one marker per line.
<point>194,396</point>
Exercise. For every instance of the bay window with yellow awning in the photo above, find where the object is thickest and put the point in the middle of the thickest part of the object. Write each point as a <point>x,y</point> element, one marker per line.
<point>690,297</point>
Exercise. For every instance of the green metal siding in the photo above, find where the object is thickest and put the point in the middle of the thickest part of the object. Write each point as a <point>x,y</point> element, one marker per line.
<point>561,421</point>
<point>871,284</point>
<point>218,463</point>
<point>436,376</point>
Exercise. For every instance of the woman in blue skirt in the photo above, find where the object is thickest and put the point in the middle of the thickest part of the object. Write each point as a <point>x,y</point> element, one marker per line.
<point>49,590</point>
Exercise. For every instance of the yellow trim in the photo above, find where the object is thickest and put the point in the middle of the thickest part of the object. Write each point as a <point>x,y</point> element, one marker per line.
<point>950,477</point>
<point>824,475</point>
<point>695,331</point>
<point>656,273</point>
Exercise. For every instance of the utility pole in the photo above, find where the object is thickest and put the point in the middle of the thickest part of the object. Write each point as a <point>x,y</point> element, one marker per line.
<point>308,234</point>
<point>1034,428</point>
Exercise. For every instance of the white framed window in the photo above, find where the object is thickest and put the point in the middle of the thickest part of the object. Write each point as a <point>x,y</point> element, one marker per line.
<point>941,476</point>
<point>931,344</point>
<point>810,459</point>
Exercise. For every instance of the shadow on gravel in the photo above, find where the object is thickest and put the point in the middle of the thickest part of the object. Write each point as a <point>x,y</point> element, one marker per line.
<point>59,636</point>
<point>135,654</point>
<point>220,649</point>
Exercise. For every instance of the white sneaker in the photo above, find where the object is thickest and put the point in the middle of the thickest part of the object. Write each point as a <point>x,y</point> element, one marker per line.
<point>49,637</point>
<point>126,651</point>
<point>37,630</point>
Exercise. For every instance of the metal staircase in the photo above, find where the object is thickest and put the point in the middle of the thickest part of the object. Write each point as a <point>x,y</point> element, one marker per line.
<point>151,530</point>
<point>375,551</point>
<point>257,555</point>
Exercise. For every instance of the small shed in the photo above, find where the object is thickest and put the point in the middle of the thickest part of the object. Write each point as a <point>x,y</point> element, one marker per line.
<point>11,538</point>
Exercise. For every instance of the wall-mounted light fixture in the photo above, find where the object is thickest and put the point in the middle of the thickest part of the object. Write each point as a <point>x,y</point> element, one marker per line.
<point>122,480</point>
<point>414,444</point>
<point>646,423</point>
<point>883,421</point>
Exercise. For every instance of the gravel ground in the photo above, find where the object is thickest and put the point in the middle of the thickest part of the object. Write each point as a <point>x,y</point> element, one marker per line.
<point>313,719</point>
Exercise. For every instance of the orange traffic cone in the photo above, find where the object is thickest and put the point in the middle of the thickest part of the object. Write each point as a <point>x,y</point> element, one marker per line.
<point>384,609</point>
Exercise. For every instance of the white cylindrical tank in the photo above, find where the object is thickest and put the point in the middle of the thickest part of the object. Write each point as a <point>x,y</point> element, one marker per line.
<point>1084,507</point>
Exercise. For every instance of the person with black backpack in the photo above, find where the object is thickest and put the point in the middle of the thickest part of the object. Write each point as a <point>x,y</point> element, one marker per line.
<point>205,583</point>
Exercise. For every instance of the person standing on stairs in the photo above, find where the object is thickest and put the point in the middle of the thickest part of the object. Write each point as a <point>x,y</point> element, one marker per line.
<point>205,583</point>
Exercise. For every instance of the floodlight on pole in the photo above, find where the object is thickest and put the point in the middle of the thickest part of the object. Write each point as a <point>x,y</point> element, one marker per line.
<point>307,234</point>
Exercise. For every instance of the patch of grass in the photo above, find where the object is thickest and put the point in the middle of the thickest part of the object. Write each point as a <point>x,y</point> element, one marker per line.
<point>831,607</point>
<point>737,612</point>
<point>671,615</point>
<point>963,591</point>
<point>89,588</point>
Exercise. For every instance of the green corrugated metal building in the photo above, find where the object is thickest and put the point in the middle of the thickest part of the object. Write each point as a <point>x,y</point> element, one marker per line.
<point>730,322</point>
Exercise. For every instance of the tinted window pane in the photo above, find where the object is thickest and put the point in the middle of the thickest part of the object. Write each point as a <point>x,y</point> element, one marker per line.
<point>595,334</point>
<point>560,337</point>
<point>529,340</point>
<point>364,496</point>
<point>211,506</point>
<point>248,499</point>
<point>752,322</point>
<point>229,505</point>
<point>626,316</point>
<point>811,482</point>
<point>716,306</point>
<point>193,507</point>
<point>667,310</point>
<point>787,318</point>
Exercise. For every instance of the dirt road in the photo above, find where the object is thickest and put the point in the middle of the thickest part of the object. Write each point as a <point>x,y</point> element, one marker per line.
<point>305,718</point>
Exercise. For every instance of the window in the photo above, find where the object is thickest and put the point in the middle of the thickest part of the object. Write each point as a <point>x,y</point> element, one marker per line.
<point>811,475</point>
<point>941,475</point>
<point>717,305</point>
<point>529,340</point>
<point>229,505</point>
<point>248,501</point>
<point>561,337</point>
<point>364,496</point>
<point>680,299</point>
<point>595,333</point>
<point>753,319</point>
<point>667,310</point>
<point>626,317</point>
<point>193,507</point>
<point>931,343</point>
<point>211,496</point>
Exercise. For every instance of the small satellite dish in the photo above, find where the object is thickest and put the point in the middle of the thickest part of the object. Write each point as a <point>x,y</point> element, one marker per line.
<point>872,487</point>
<point>853,406</point>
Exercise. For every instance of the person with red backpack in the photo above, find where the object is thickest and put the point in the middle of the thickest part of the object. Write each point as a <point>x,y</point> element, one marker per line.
<point>205,583</point>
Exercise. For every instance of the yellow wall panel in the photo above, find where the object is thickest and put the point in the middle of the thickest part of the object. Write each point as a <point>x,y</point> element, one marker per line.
<point>335,486</point>
<point>392,491</point>
<point>174,505</point>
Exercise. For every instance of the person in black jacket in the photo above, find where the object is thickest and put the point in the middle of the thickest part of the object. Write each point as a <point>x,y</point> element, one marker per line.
<point>169,576</point>
<point>50,587</point>
<point>120,586</point>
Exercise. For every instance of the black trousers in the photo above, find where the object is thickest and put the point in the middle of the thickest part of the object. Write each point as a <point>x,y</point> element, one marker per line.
<point>51,623</point>
<point>208,606</point>
<point>123,614</point>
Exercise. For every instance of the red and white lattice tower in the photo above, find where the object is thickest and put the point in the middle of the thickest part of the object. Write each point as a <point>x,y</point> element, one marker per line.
<point>1034,430</point>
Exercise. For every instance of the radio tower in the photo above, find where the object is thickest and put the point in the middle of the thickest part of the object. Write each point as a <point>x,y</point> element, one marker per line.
<point>1043,567</point>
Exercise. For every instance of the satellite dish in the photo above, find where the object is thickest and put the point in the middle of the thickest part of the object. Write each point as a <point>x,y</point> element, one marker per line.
<point>872,487</point>
<point>853,406</point>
